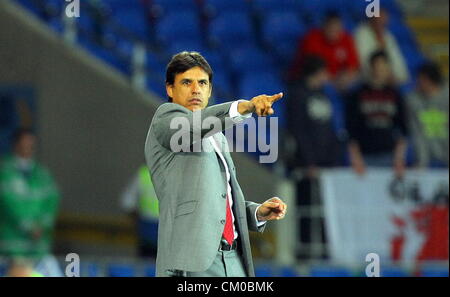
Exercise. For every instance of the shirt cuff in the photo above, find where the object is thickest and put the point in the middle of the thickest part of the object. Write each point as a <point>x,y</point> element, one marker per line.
<point>235,115</point>
<point>258,223</point>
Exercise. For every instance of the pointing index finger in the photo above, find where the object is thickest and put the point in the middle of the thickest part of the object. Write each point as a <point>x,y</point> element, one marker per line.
<point>276,97</point>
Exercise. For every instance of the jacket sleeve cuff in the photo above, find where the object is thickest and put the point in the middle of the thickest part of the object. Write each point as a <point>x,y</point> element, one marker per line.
<point>235,115</point>
<point>259,223</point>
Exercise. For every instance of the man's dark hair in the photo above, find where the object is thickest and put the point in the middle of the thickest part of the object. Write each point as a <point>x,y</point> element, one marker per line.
<point>377,55</point>
<point>431,71</point>
<point>331,15</point>
<point>184,61</point>
<point>312,65</point>
<point>19,133</point>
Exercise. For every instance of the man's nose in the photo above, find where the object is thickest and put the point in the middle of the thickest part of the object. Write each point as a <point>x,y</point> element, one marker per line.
<point>195,88</point>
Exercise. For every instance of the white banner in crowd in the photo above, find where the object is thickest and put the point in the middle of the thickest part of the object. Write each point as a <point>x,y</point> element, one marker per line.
<point>400,220</point>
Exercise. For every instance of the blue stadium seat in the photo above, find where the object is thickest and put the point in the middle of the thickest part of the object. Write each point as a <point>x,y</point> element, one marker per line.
<point>288,271</point>
<point>120,270</point>
<point>56,25</point>
<point>162,7</point>
<point>113,40</point>
<point>393,272</point>
<point>350,24</point>
<point>249,59</point>
<point>184,45</point>
<point>264,270</point>
<point>328,271</point>
<point>281,32</point>
<point>230,29</point>
<point>85,23</point>
<point>312,12</point>
<point>413,58</point>
<point>90,270</point>
<point>105,55</point>
<point>410,153</point>
<point>155,65</point>
<point>338,108</point>
<point>402,32</point>
<point>214,8</point>
<point>117,5</point>
<point>215,60</point>
<point>135,21</point>
<point>284,53</point>
<point>281,26</point>
<point>253,84</point>
<point>263,6</point>
<point>150,270</point>
<point>434,271</point>
<point>54,7</point>
<point>31,6</point>
<point>222,90</point>
<point>179,26</point>
<point>157,86</point>
<point>356,9</point>
<point>2,269</point>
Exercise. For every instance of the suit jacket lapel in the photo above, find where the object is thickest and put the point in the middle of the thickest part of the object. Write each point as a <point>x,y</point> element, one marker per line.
<point>222,144</point>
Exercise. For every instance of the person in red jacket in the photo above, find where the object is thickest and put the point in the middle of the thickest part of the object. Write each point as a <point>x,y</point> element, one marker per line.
<point>334,45</point>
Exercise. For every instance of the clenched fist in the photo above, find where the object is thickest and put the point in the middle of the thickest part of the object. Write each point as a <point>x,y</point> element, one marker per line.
<point>272,209</point>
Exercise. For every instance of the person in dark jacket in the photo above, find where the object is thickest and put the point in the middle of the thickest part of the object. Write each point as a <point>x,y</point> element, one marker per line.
<point>376,120</point>
<point>310,116</point>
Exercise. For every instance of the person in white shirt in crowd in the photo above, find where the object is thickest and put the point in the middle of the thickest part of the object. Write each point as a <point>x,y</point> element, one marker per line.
<point>373,36</point>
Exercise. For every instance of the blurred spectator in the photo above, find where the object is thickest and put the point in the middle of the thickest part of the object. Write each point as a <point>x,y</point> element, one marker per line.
<point>8,121</point>
<point>21,268</point>
<point>99,16</point>
<point>374,36</point>
<point>375,119</point>
<point>28,205</point>
<point>310,119</point>
<point>140,201</point>
<point>428,117</point>
<point>335,46</point>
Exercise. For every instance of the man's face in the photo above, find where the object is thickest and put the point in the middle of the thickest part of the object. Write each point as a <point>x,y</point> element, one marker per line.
<point>424,84</point>
<point>382,21</point>
<point>25,146</point>
<point>381,70</point>
<point>320,78</point>
<point>191,89</point>
<point>333,29</point>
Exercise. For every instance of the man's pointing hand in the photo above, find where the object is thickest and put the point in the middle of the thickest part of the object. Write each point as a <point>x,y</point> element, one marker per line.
<point>261,104</point>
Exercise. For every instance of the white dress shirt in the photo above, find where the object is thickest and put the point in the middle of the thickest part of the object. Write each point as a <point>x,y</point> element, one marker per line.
<point>237,118</point>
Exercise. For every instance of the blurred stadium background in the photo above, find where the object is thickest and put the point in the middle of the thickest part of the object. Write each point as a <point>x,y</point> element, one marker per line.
<point>91,84</point>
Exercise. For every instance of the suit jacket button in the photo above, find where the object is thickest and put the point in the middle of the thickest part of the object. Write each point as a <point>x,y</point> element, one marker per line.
<point>222,221</point>
<point>224,195</point>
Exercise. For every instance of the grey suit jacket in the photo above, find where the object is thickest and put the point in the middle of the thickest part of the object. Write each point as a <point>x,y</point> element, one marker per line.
<point>191,189</point>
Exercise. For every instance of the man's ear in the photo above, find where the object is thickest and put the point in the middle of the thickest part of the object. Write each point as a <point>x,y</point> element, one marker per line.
<point>210,90</point>
<point>169,90</point>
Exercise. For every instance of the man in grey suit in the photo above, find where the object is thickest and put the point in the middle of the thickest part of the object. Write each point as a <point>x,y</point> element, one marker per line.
<point>204,220</point>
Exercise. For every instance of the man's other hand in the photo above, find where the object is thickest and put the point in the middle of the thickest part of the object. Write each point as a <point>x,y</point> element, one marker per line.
<point>272,209</point>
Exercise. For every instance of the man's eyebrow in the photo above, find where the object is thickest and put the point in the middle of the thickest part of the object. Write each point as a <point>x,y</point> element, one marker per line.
<point>190,80</point>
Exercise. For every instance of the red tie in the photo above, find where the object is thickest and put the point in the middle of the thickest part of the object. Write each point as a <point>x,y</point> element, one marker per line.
<point>228,233</point>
